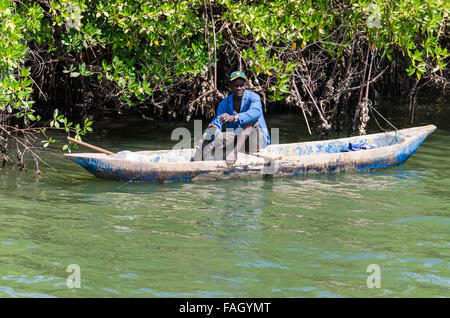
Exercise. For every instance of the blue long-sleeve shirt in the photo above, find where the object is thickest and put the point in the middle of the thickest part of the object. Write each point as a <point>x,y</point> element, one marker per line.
<point>250,111</point>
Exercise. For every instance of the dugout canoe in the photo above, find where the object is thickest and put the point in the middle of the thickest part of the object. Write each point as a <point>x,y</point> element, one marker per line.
<point>375,151</point>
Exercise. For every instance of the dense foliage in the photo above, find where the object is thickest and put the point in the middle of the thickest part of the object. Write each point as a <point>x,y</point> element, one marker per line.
<point>170,59</point>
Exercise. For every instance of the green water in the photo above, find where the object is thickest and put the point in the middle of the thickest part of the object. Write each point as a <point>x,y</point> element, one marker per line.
<point>309,236</point>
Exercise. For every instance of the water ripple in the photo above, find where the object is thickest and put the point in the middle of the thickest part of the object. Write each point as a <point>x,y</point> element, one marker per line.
<point>9,291</point>
<point>261,264</point>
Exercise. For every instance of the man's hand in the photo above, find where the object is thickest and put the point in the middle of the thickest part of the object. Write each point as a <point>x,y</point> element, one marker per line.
<point>226,118</point>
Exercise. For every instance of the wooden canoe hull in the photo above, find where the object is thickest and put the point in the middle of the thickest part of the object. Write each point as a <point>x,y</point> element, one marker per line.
<point>392,149</point>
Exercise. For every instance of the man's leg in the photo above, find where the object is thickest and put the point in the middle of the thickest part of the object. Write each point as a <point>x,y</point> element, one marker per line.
<point>215,149</point>
<point>242,137</point>
<point>223,144</point>
<point>199,147</point>
<point>255,140</point>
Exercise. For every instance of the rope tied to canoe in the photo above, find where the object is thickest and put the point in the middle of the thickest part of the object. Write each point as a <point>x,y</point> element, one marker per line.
<point>372,109</point>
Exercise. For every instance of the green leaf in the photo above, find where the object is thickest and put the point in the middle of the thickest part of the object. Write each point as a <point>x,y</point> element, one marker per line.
<point>24,72</point>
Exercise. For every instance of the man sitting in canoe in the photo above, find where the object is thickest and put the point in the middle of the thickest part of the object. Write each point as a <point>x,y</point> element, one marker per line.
<point>242,115</point>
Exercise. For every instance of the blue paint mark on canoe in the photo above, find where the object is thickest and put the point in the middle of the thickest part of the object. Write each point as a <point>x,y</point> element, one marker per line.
<point>332,169</point>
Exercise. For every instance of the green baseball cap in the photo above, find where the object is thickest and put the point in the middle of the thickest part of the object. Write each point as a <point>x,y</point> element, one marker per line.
<point>237,74</point>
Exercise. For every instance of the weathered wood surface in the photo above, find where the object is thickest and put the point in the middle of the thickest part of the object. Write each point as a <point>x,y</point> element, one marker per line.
<point>390,149</point>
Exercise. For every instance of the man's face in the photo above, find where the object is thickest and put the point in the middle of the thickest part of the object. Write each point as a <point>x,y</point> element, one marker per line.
<point>238,87</point>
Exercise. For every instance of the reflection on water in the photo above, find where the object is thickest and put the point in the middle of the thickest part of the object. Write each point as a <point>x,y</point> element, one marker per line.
<point>305,236</point>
